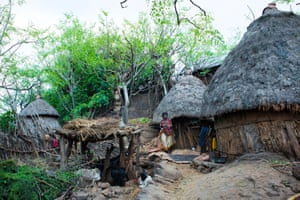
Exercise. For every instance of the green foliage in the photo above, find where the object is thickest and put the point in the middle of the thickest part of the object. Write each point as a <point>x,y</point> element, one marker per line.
<point>78,83</point>
<point>26,182</point>
<point>7,122</point>
<point>79,66</point>
<point>204,72</point>
<point>284,1</point>
<point>142,120</point>
<point>18,81</point>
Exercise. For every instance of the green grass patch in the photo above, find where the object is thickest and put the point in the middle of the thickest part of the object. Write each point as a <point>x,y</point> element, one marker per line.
<point>142,120</point>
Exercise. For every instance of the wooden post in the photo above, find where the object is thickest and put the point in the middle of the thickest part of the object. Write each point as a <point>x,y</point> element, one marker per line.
<point>62,152</point>
<point>129,163</point>
<point>138,155</point>
<point>69,148</point>
<point>122,152</point>
<point>107,163</point>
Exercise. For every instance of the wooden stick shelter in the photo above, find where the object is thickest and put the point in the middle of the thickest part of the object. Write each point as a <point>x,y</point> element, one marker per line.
<point>102,129</point>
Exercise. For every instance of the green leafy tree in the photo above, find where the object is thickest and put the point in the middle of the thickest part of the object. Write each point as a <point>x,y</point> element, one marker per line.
<point>18,80</point>
<point>74,70</point>
<point>83,65</point>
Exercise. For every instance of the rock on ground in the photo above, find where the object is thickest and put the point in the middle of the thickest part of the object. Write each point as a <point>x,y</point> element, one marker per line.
<point>167,170</point>
<point>153,192</point>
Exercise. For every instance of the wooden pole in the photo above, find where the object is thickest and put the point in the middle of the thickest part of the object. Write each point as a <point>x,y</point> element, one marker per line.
<point>62,152</point>
<point>122,152</point>
<point>106,167</point>
<point>69,148</point>
<point>129,164</point>
<point>138,155</point>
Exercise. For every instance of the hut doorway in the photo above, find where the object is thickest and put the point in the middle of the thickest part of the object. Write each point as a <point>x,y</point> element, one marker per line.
<point>187,131</point>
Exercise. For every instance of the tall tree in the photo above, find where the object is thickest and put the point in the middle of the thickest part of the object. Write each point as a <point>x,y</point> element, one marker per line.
<point>74,62</point>
<point>18,81</point>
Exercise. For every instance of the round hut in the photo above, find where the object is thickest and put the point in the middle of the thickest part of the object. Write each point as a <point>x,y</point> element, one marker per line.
<point>183,104</point>
<point>255,95</point>
<point>38,119</point>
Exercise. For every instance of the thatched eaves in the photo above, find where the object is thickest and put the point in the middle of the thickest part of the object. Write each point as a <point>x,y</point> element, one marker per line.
<point>183,100</point>
<point>39,107</point>
<point>262,72</point>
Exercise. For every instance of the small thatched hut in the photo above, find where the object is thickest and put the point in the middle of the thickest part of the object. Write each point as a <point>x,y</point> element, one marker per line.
<point>255,95</point>
<point>38,119</point>
<point>183,104</point>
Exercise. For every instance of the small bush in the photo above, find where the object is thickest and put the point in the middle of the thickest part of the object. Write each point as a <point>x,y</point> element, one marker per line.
<point>7,122</point>
<point>26,182</point>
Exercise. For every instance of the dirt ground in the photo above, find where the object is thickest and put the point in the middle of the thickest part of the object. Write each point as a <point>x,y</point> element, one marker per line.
<point>265,176</point>
<point>181,188</point>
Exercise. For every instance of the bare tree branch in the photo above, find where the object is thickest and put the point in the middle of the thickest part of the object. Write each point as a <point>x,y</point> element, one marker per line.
<point>19,89</point>
<point>5,25</point>
<point>16,45</point>
<point>179,20</point>
<point>176,12</point>
<point>252,13</point>
<point>201,9</point>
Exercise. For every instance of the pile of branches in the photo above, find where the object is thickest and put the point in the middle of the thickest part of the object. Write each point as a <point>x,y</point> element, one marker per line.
<point>94,130</point>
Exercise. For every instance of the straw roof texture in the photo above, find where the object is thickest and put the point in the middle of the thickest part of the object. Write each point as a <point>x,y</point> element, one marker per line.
<point>183,100</point>
<point>39,107</point>
<point>262,72</point>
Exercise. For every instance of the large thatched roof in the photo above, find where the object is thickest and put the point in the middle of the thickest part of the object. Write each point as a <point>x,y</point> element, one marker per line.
<point>183,100</point>
<point>262,71</point>
<point>39,107</point>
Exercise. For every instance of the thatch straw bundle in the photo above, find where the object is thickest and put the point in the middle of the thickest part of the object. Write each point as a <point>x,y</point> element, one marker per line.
<point>94,130</point>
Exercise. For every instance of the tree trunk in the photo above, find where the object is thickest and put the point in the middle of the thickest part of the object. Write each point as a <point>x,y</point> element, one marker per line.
<point>124,108</point>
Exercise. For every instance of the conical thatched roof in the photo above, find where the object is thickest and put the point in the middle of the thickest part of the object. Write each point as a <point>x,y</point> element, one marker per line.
<point>183,100</point>
<point>262,71</point>
<point>39,107</point>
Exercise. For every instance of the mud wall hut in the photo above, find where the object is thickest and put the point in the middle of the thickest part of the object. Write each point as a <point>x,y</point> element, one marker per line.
<point>255,95</point>
<point>38,119</point>
<point>183,104</point>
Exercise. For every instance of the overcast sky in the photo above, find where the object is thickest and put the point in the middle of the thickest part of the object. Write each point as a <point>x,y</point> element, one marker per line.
<point>229,15</point>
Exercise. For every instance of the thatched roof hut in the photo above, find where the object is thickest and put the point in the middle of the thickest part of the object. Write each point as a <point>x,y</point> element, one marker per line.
<point>183,100</point>
<point>183,104</point>
<point>39,107</point>
<point>255,95</point>
<point>38,119</point>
